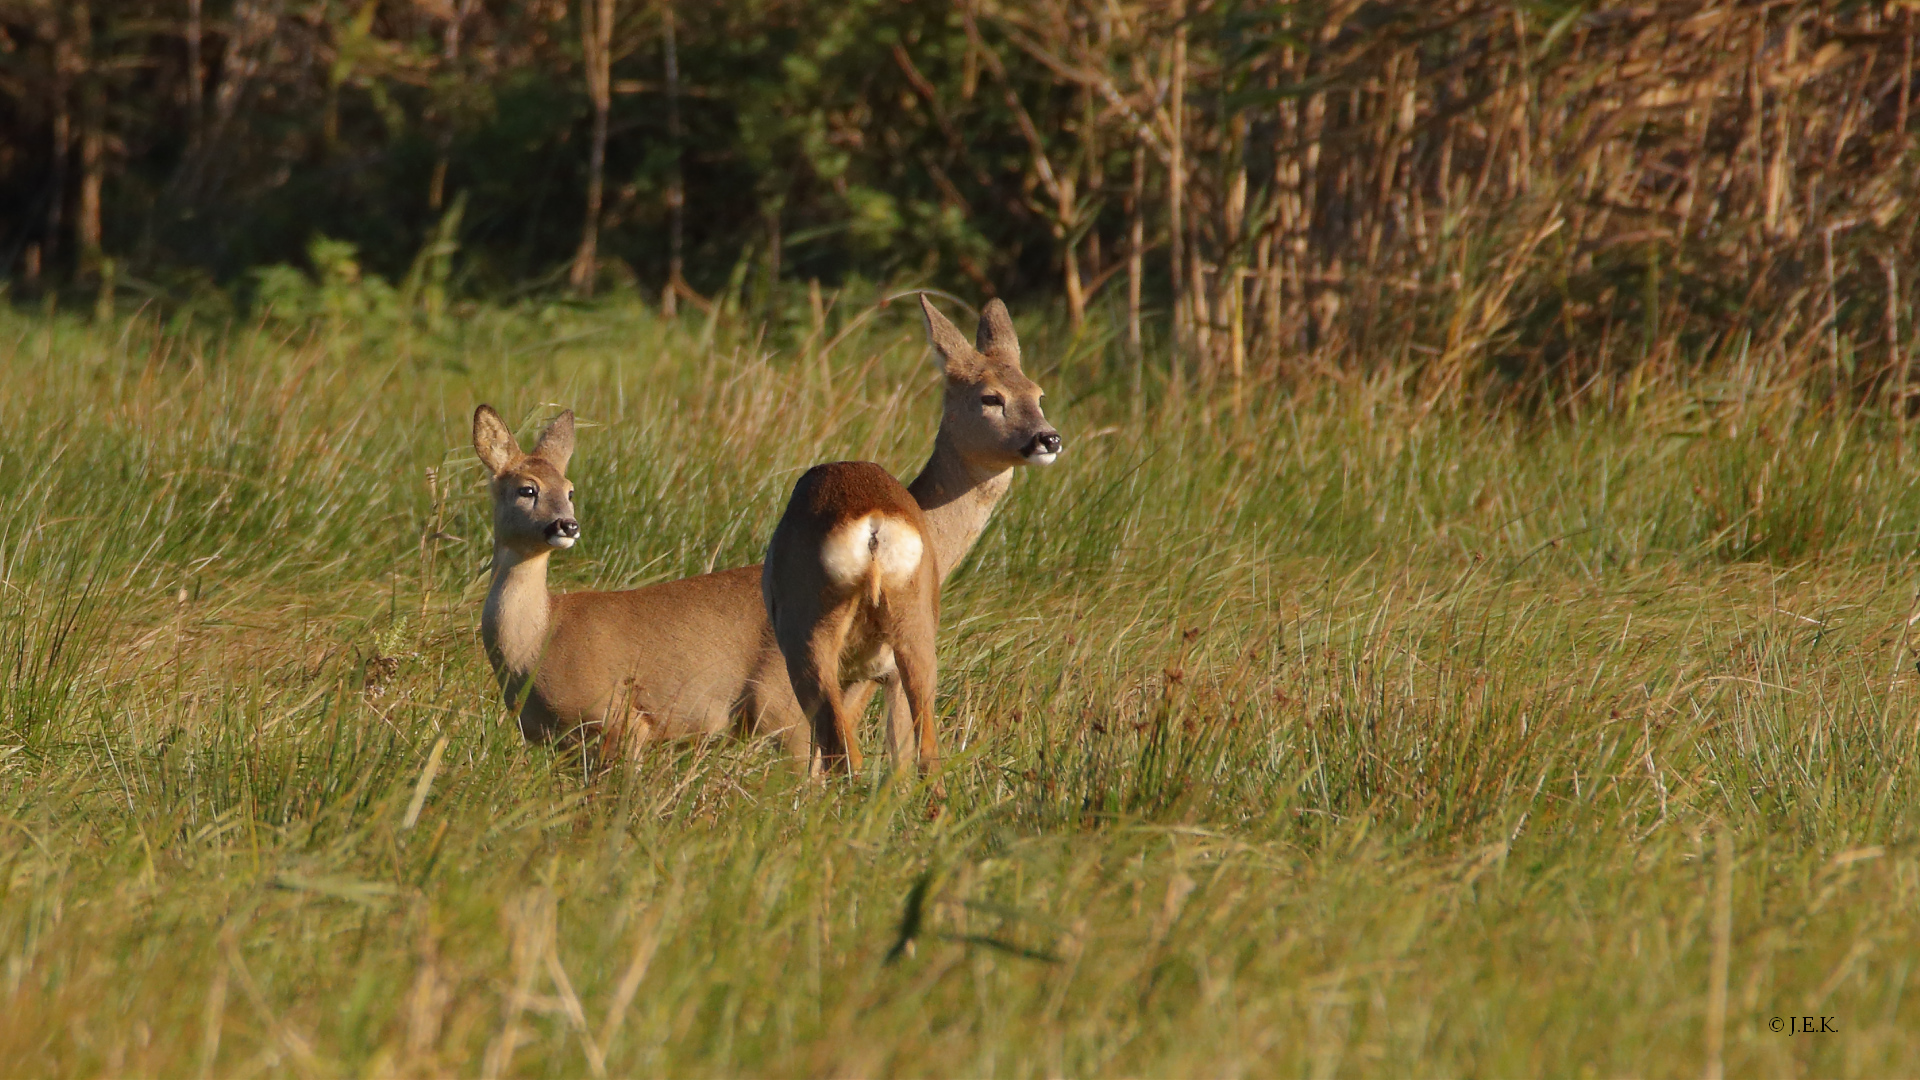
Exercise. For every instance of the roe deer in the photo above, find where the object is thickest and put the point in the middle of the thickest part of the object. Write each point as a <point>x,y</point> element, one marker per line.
<point>559,659</point>
<point>853,594</point>
<point>698,656</point>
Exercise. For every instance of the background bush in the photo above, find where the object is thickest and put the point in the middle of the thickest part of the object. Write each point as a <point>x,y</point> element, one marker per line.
<point>1475,194</point>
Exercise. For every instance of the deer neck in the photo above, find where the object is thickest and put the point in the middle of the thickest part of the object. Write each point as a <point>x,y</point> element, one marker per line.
<point>518,613</point>
<point>957,496</point>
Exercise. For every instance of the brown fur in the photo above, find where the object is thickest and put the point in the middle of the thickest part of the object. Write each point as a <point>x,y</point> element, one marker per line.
<point>698,656</point>
<point>837,633</point>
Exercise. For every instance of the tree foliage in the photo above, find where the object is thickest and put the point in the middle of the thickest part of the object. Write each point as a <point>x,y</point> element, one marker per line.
<point>1527,186</point>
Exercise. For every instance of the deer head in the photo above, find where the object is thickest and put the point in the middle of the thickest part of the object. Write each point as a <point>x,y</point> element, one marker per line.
<point>532,499</point>
<point>992,410</point>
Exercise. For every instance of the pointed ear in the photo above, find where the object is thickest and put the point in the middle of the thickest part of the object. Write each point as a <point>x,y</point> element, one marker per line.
<point>956,356</point>
<point>556,443</point>
<point>995,338</point>
<point>492,441</point>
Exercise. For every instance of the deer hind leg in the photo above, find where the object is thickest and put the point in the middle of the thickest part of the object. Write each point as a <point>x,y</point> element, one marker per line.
<point>797,740</point>
<point>815,672</point>
<point>814,680</point>
<point>911,630</point>
<point>854,699</point>
<point>899,722</point>
<point>918,678</point>
<point>772,709</point>
<point>810,640</point>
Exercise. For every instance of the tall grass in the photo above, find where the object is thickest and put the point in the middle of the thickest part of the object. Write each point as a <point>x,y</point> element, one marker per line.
<point>1329,735</point>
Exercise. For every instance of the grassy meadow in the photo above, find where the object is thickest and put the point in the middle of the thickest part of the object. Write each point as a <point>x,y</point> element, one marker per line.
<point>1325,735</point>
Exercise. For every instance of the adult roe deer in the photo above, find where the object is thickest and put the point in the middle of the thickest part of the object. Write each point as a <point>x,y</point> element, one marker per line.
<point>698,656</point>
<point>853,595</point>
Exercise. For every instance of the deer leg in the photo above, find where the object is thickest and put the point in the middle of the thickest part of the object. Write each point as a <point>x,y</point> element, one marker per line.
<point>913,656</point>
<point>817,686</point>
<point>774,710</point>
<point>899,723</point>
<point>810,702</point>
<point>797,740</point>
<point>811,642</point>
<point>788,721</point>
<point>820,701</point>
<point>853,704</point>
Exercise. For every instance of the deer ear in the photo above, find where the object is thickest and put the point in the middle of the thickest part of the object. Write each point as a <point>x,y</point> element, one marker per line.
<point>995,338</point>
<point>492,441</point>
<point>556,443</point>
<point>956,357</point>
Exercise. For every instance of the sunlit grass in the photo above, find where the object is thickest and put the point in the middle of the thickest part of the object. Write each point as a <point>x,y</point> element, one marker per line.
<point>1330,736</point>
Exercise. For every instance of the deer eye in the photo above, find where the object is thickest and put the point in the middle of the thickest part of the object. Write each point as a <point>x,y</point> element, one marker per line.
<point>528,491</point>
<point>992,400</point>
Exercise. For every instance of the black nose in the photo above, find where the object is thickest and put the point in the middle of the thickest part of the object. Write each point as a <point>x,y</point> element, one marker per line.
<point>1047,442</point>
<point>564,527</point>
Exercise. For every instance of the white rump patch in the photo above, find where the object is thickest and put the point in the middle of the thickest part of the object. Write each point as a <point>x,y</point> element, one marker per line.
<point>873,543</point>
<point>897,549</point>
<point>844,556</point>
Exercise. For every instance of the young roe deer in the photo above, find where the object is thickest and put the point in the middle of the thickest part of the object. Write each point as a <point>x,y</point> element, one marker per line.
<point>698,656</point>
<point>559,659</point>
<point>853,595</point>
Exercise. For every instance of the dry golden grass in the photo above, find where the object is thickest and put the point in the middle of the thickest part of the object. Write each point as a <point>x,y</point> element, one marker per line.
<point>1336,736</point>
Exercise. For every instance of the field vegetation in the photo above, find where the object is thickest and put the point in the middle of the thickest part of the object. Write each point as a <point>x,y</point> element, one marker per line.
<point>1551,188</point>
<point>1314,731</point>
<point>1470,631</point>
